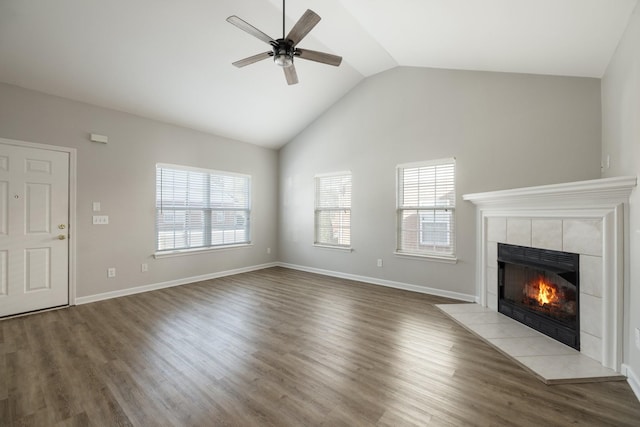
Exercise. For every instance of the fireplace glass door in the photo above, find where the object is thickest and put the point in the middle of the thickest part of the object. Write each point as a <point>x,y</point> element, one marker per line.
<point>540,289</point>
<point>542,292</point>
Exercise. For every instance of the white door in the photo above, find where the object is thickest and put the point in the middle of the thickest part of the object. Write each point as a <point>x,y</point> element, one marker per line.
<point>34,225</point>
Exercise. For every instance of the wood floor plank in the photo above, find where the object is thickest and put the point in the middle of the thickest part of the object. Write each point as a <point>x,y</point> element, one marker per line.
<point>277,347</point>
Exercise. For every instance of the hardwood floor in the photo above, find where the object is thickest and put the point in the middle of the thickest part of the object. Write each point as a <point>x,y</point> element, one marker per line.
<point>277,347</point>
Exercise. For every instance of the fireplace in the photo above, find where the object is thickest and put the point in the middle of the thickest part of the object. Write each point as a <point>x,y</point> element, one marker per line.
<point>540,288</point>
<point>587,218</point>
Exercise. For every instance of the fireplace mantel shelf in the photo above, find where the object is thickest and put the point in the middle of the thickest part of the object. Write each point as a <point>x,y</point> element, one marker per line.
<point>596,192</point>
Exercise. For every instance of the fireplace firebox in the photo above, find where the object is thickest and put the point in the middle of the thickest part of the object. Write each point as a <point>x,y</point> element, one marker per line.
<point>540,288</point>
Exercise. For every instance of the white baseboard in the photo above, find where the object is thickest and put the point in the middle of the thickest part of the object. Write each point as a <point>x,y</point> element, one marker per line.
<point>382,282</point>
<point>169,284</point>
<point>632,379</point>
<point>372,280</point>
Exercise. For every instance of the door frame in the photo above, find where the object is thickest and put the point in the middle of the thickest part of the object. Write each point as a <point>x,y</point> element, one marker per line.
<point>73,231</point>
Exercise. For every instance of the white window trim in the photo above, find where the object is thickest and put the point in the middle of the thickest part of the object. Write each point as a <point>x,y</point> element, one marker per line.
<point>191,251</point>
<point>334,248</point>
<point>446,258</point>
<point>411,255</point>
<point>197,251</point>
<point>203,170</point>
<point>328,174</point>
<point>344,248</point>
<point>424,163</point>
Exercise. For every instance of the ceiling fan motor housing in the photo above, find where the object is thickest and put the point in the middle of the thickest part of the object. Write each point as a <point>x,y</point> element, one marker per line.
<point>283,52</point>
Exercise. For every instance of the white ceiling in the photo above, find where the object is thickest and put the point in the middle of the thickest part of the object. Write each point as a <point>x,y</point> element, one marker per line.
<point>171,60</point>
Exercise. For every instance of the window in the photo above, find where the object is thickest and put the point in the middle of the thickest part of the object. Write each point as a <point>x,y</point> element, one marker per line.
<point>333,210</point>
<point>426,208</point>
<point>198,208</point>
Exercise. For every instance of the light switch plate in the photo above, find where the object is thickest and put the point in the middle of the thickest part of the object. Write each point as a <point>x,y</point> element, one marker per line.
<point>96,206</point>
<point>100,219</point>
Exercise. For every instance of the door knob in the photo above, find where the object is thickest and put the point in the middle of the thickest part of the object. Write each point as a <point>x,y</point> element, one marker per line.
<point>61,237</point>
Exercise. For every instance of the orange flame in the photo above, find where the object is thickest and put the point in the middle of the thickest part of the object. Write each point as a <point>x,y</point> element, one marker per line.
<point>547,292</point>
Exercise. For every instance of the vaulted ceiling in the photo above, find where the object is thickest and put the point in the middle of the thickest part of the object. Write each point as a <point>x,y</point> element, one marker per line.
<point>171,60</point>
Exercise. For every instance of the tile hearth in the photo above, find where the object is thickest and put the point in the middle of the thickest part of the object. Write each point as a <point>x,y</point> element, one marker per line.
<point>547,359</point>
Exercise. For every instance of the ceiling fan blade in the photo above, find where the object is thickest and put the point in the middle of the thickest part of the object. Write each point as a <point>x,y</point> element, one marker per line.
<point>252,59</point>
<point>305,24</point>
<point>290,74</point>
<point>248,28</point>
<point>313,55</point>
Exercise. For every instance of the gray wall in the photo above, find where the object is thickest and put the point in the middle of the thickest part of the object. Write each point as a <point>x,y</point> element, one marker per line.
<point>621,141</point>
<point>121,175</point>
<point>505,130</point>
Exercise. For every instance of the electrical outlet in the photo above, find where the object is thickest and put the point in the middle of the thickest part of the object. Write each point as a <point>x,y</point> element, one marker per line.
<point>638,338</point>
<point>144,267</point>
<point>111,272</point>
<point>268,250</point>
<point>380,262</point>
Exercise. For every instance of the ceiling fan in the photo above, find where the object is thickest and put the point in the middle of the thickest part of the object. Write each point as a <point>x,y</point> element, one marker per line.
<point>284,49</point>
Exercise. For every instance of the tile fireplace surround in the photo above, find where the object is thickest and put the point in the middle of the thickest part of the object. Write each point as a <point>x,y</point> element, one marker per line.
<point>586,217</point>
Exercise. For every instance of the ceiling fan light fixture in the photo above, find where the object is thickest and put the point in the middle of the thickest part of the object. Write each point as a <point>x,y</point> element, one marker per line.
<point>283,59</point>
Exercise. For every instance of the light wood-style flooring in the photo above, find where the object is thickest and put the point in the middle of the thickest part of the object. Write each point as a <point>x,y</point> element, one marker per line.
<point>277,347</point>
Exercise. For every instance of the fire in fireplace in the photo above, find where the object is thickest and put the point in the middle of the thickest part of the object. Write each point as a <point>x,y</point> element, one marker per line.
<point>539,288</point>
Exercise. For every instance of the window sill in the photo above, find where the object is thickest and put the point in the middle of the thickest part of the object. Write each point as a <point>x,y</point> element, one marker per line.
<point>336,248</point>
<point>183,252</point>
<point>436,258</point>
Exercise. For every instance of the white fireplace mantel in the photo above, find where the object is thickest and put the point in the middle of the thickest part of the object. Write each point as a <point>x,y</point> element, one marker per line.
<point>581,194</point>
<point>568,209</point>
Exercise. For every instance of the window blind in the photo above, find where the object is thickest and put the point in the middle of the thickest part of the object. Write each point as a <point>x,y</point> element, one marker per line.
<point>426,208</point>
<point>333,209</point>
<point>198,208</point>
